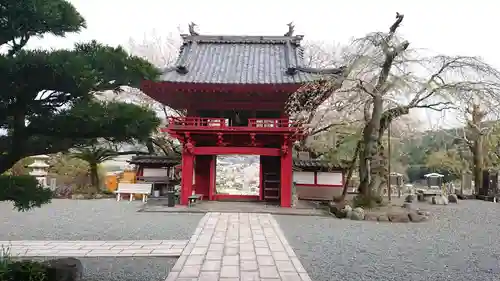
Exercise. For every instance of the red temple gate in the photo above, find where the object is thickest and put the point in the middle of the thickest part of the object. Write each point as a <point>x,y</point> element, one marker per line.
<point>234,90</point>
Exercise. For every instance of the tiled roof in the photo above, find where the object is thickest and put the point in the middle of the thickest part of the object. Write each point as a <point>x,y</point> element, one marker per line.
<point>243,60</point>
<point>170,160</point>
<point>316,164</point>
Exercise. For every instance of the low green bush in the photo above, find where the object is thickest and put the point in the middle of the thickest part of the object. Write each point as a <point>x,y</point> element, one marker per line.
<point>24,191</point>
<point>24,270</point>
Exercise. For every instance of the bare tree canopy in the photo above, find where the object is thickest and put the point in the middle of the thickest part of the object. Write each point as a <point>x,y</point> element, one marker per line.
<point>384,80</point>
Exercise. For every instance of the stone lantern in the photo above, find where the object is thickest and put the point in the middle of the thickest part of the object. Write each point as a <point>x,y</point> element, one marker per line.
<point>40,168</point>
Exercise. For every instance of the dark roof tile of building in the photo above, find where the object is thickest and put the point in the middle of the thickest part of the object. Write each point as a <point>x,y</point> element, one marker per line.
<point>211,59</point>
<point>169,160</point>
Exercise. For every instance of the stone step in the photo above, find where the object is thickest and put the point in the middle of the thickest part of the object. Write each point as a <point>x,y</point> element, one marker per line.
<point>79,248</point>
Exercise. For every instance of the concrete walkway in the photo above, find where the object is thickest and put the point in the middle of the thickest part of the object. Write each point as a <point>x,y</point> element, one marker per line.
<point>121,248</point>
<point>238,246</point>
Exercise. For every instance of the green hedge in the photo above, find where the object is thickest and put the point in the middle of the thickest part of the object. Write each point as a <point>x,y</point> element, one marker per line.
<point>24,191</point>
<point>23,271</point>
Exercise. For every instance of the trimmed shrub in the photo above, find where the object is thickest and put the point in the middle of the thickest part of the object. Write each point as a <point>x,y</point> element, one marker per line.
<point>24,191</point>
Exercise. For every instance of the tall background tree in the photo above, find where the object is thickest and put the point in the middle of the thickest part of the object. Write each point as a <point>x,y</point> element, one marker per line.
<point>384,79</point>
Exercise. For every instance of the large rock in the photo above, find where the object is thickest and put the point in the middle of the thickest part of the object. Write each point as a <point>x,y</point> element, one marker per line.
<point>64,269</point>
<point>439,200</point>
<point>453,198</point>
<point>340,210</point>
<point>416,217</point>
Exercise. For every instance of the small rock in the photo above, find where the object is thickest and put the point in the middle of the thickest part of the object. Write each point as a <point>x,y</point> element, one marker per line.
<point>383,217</point>
<point>98,196</point>
<point>410,198</point>
<point>357,214</point>
<point>398,217</point>
<point>453,198</point>
<point>64,269</point>
<point>415,217</point>
<point>77,196</point>
<point>371,217</point>
<point>439,200</point>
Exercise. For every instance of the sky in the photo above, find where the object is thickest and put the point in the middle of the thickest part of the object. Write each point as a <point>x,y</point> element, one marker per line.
<point>449,27</point>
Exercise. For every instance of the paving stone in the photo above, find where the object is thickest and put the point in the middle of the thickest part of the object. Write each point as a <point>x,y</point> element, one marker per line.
<point>265,260</point>
<point>216,247</point>
<point>249,276</point>
<point>211,265</point>
<point>280,256</point>
<point>199,250</point>
<point>231,250</point>
<point>230,260</point>
<point>268,272</point>
<point>248,256</point>
<point>260,244</point>
<point>247,247</point>
<point>208,276</point>
<point>285,266</point>
<point>290,276</point>
<point>195,260</point>
<point>262,251</point>
<point>230,271</point>
<point>246,265</point>
<point>214,255</point>
<point>190,271</point>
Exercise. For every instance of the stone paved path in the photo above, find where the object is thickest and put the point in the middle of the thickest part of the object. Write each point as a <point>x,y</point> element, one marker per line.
<point>122,248</point>
<point>238,247</point>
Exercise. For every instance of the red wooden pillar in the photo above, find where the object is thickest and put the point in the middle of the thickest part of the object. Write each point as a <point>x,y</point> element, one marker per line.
<point>187,177</point>
<point>213,165</point>
<point>286,180</point>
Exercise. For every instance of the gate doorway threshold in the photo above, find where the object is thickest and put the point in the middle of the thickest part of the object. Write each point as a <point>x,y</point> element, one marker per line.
<point>303,208</point>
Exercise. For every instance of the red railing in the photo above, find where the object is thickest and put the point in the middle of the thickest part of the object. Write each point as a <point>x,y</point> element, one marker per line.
<point>198,122</point>
<point>223,123</point>
<point>269,123</point>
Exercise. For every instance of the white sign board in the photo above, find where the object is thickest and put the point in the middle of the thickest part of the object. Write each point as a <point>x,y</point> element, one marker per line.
<point>152,172</point>
<point>333,178</point>
<point>303,177</point>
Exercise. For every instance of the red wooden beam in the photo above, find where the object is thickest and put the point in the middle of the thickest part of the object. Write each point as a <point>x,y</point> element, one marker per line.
<point>217,150</point>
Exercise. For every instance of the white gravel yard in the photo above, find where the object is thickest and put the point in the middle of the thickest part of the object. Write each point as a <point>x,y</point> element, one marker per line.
<point>461,242</point>
<point>103,219</point>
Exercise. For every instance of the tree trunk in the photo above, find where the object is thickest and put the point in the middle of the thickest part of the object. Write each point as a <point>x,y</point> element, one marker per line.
<point>94,177</point>
<point>369,149</point>
<point>352,166</point>
<point>478,162</point>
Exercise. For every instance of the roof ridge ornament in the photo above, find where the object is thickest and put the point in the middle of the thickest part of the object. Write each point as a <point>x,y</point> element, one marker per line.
<point>291,29</point>
<point>191,27</point>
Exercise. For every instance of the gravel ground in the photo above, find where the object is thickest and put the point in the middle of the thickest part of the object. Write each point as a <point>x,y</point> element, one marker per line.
<point>461,242</point>
<point>125,269</point>
<point>103,219</point>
